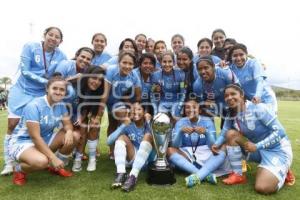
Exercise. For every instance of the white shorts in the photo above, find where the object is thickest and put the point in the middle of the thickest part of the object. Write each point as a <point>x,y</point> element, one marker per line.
<point>16,148</point>
<point>12,115</point>
<point>202,154</point>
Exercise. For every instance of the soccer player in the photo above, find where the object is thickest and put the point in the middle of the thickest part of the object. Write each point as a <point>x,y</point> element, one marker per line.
<point>190,151</point>
<point>38,63</point>
<point>168,92</point>
<point>256,129</point>
<point>140,41</point>
<point>150,45</point>
<point>159,48</point>
<point>121,84</point>
<point>128,140</point>
<point>218,38</point>
<point>86,117</point>
<point>34,141</point>
<point>177,42</point>
<point>252,77</point>
<point>99,43</point>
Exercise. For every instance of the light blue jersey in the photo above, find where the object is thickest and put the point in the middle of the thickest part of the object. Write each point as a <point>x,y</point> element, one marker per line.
<point>101,58</point>
<point>146,85</point>
<point>112,61</point>
<point>34,75</point>
<point>67,68</point>
<point>180,139</point>
<point>215,91</point>
<point>252,78</point>
<point>39,111</point>
<point>121,85</point>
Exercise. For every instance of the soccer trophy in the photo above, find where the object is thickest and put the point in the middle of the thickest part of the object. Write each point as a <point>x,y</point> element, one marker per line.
<point>160,173</point>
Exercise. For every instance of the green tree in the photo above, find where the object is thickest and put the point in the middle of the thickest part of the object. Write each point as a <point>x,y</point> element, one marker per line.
<point>6,81</point>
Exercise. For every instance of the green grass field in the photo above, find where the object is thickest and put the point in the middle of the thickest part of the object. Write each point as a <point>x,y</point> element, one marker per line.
<point>96,185</point>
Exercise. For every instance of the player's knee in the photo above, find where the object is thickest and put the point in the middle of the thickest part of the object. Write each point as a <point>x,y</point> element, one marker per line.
<point>264,188</point>
<point>231,136</point>
<point>40,163</point>
<point>170,151</point>
<point>76,137</point>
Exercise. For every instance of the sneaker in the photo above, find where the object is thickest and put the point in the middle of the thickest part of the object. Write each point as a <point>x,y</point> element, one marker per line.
<point>92,165</point>
<point>19,178</point>
<point>8,169</point>
<point>119,180</point>
<point>60,172</point>
<point>235,178</point>
<point>77,166</point>
<point>211,178</point>
<point>290,178</point>
<point>192,180</point>
<point>129,184</point>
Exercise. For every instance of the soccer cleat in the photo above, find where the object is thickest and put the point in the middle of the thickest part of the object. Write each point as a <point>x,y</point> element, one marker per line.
<point>77,166</point>
<point>211,178</point>
<point>60,172</point>
<point>235,178</point>
<point>8,169</point>
<point>119,180</point>
<point>290,178</point>
<point>192,180</point>
<point>19,178</point>
<point>91,166</point>
<point>129,183</point>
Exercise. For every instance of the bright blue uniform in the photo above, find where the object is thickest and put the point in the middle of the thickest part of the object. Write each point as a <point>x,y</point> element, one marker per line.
<point>146,85</point>
<point>34,75</point>
<point>172,93</point>
<point>121,85</point>
<point>261,126</point>
<point>101,58</point>
<point>180,139</point>
<point>252,78</point>
<point>38,111</point>
<point>215,91</point>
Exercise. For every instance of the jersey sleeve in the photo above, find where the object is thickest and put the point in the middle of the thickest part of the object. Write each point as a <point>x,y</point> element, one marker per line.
<point>31,113</point>
<point>210,132</point>
<point>222,137</point>
<point>114,135</point>
<point>62,68</point>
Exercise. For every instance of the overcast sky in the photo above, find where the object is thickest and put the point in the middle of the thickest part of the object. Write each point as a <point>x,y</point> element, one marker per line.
<point>270,29</point>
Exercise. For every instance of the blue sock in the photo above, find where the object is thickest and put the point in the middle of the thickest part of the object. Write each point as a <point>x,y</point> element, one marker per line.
<point>235,158</point>
<point>211,165</point>
<point>7,159</point>
<point>18,167</point>
<point>182,163</point>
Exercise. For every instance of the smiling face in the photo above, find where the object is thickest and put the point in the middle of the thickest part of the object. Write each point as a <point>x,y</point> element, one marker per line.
<point>137,112</point>
<point>126,65</point>
<point>94,82</point>
<point>183,61</point>
<point>160,48</point>
<point>147,66</point>
<point>150,46</point>
<point>204,49</point>
<point>234,98</point>
<point>167,63</point>
<point>128,46</point>
<point>206,71</point>
<point>239,57</point>
<point>52,39</point>
<point>56,91</point>
<point>177,43</point>
<point>191,109</point>
<point>218,40</point>
<point>99,43</point>
<point>141,42</point>
<point>83,60</point>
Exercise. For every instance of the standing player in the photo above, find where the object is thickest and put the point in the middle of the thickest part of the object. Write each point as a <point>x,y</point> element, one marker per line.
<point>257,130</point>
<point>38,63</point>
<point>218,37</point>
<point>99,43</point>
<point>34,141</point>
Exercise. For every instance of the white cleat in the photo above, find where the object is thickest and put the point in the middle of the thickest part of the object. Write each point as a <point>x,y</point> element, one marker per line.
<point>91,166</point>
<point>77,166</point>
<point>8,169</point>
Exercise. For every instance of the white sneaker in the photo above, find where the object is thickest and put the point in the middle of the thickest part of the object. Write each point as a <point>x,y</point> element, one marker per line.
<point>92,165</point>
<point>77,166</point>
<point>8,169</point>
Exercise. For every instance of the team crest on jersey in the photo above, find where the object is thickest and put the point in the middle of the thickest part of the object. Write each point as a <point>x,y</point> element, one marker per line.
<point>37,58</point>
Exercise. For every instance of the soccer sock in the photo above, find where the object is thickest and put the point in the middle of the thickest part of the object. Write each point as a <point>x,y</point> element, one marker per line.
<point>7,159</point>
<point>92,146</point>
<point>120,154</point>
<point>64,158</point>
<point>78,155</point>
<point>181,162</point>
<point>213,162</point>
<point>18,168</point>
<point>235,158</point>
<point>141,157</point>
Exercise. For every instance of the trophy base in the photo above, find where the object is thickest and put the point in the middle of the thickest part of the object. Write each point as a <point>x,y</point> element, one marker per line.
<point>158,176</point>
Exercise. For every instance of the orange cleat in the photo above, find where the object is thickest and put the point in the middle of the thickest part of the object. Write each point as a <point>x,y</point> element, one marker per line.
<point>234,179</point>
<point>290,178</point>
<point>19,178</point>
<point>60,172</point>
